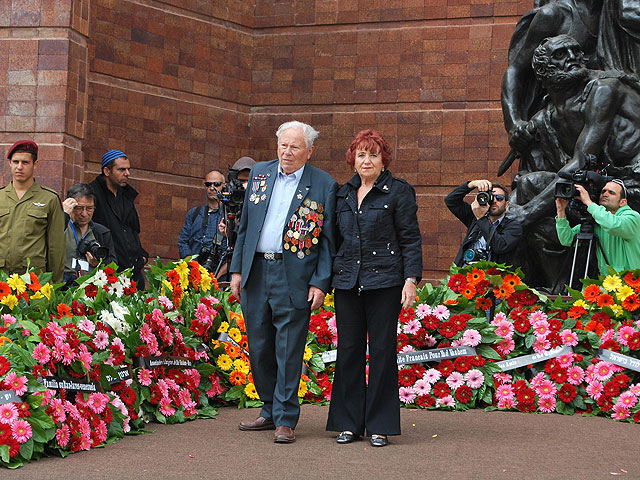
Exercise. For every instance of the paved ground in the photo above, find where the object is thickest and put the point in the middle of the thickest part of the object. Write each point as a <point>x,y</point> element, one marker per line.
<point>434,445</point>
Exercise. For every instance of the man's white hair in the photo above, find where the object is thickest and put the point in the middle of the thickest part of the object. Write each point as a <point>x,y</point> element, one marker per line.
<point>310,133</point>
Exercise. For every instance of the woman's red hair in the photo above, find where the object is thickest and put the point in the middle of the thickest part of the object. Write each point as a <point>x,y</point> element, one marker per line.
<point>372,141</point>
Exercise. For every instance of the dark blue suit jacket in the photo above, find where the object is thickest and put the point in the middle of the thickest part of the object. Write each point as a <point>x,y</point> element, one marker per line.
<point>313,268</point>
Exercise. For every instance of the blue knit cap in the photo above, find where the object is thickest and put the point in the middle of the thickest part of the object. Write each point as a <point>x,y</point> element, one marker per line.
<point>111,155</point>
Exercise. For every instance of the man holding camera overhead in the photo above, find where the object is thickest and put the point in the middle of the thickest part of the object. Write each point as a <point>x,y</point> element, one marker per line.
<point>87,243</point>
<point>617,226</point>
<point>490,234</point>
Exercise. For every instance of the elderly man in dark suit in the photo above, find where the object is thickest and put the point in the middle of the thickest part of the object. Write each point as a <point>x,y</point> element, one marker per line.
<point>281,270</point>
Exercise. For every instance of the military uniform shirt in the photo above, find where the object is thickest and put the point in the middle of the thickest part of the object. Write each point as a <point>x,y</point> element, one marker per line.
<point>32,228</point>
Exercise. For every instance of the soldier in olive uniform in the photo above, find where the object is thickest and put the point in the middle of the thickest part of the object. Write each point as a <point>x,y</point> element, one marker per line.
<point>31,218</point>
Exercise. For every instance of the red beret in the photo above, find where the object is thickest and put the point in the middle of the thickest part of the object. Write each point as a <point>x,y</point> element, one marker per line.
<point>23,146</point>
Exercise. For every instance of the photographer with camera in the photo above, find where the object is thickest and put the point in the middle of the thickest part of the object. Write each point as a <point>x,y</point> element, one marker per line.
<point>490,235</point>
<point>87,243</point>
<point>617,226</point>
<point>201,233</point>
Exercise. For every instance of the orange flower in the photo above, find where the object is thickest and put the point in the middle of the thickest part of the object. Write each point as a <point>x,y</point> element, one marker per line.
<point>633,282</point>
<point>475,276</point>
<point>511,279</point>
<point>4,340</point>
<point>468,291</point>
<point>504,291</point>
<point>451,301</point>
<point>578,325</point>
<point>605,300</point>
<point>594,326</point>
<point>232,350</point>
<point>591,293</point>
<point>239,320</point>
<point>64,310</point>
<point>237,378</point>
<point>631,303</point>
<point>214,282</point>
<point>576,311</point>
<point>5,289</point>
<point>244,343</point>
<point>34,286</point>
<point>483,303</point>
<point>174,278</point>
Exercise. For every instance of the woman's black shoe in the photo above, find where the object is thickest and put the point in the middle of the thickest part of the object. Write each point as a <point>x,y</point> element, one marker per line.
<point>347,437</point>
<point>379,441</point>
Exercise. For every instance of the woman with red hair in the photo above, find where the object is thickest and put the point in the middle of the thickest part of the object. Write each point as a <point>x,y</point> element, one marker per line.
<point>375,272</point>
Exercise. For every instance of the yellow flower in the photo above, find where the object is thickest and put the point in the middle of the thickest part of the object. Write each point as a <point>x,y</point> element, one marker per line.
<point>224,362</point>
<point>581,303</point>
<point>165,283</point>
<point>328,300</point>
<point>224,326</point>
<point>251,392</point>
<point>234,333</point>
<point>242,366</point>
<point>302,389</point>
<point>37,295</point>
<point>617,309</point>
<point>612,283</point>
<point>307,353</point>
<point>17,283</point>
<point>624,292</point>
<point>205,283</point>
<point>10,301</point>
<point>46,290</point>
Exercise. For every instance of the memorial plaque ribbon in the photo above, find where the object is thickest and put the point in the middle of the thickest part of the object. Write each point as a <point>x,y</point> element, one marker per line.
<point>163,361</point>
<point>518,362</point>
<point>619,359</point>
<point>124,373</point>
<point>435,354</point>
<point>71,384</point>
<point>9,396</point>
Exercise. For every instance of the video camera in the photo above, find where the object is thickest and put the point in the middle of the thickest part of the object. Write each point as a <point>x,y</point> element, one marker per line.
<point>232,194</point>
<point>586,175</point>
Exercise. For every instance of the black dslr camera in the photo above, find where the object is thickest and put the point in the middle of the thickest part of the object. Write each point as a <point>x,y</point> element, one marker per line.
<point>586,175</point>
<point>484,198</point>
<point>209,256</point>
<point>94,248</point>
<point>475,254</point>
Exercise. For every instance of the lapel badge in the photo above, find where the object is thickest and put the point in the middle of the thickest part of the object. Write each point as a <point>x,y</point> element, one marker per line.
<point>299,196</point>
<point>384,187</point>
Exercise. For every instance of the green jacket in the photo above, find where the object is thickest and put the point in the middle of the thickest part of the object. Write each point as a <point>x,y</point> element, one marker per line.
<point>32,228</point>
<point>619,235</point>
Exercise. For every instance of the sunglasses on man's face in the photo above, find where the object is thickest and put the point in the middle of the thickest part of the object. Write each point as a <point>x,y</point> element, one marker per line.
<point>499,197</point>
<point>212,184</point>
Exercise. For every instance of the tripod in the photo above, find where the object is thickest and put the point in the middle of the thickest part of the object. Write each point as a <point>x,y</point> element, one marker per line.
<point>229,215</point>
<point>586,234</point>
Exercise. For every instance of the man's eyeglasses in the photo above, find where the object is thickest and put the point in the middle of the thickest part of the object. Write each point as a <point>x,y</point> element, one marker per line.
<point>499,197</point>
<point>79,208</point>
<point>212,184</point>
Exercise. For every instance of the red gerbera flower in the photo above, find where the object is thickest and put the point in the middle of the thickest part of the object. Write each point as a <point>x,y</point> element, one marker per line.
<point>406,377</point>
<point>4,365</point>
<point>483,303</point>
<point>64,310</point>
<point>462,364</point>
<point>576,311</point>
<point>426,401</point>
<point>464,394</point>
<point>567,393</point>
<point>447,329</point>
<point>34,286</point>
<point>526,395</point>
<point>441,390</point>
<point>457,282</point>
<point>91,291</point>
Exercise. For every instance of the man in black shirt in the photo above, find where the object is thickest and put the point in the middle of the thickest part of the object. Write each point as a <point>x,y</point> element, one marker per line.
<point>115,209</point>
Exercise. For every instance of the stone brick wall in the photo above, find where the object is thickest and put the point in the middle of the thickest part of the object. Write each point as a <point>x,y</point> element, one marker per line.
<point>183,86</point>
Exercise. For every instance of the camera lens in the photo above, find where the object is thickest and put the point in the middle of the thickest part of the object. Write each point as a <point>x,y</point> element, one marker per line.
<point>484,198</point>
